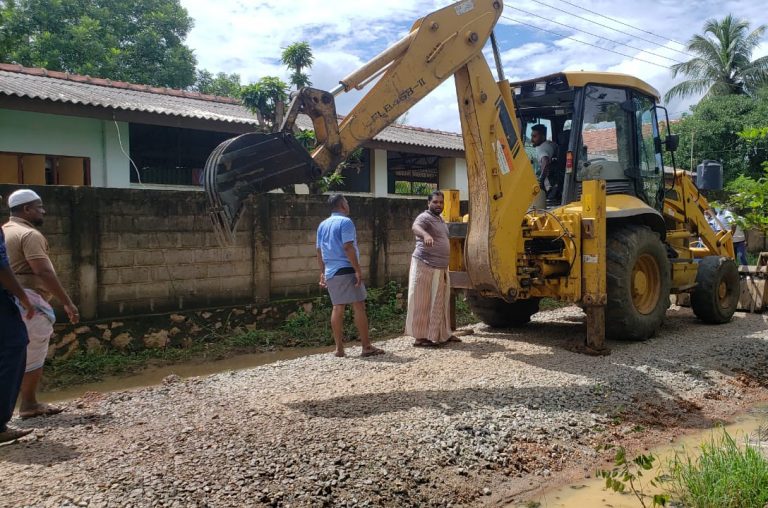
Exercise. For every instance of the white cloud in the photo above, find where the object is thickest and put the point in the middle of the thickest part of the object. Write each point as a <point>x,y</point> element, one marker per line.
<point>236,36</point>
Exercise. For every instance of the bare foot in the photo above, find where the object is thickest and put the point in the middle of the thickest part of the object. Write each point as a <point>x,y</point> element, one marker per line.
<point>371,351</point>
<point>453,338</point>
<point>340,354</point>
<point>39,410</point>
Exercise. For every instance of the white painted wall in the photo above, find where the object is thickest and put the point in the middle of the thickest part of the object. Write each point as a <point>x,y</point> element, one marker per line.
<point>453,175</point>
<point>379,174</point>
<point>39,133</point>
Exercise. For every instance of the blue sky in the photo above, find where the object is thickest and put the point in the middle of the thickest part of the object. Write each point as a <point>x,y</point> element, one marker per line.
<point>247,37</point>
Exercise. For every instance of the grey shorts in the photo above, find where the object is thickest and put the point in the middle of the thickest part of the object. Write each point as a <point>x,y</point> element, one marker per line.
<point>342,290</point>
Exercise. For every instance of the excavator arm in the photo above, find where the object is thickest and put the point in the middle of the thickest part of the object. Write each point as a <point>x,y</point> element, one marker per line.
<point>445,43</point>
<point>686,206</point>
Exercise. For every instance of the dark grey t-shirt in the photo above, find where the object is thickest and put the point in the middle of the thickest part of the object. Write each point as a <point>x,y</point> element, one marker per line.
<point>436,256</point>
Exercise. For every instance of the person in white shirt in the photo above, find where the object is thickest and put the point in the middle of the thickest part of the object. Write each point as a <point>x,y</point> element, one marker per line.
<point>721,219</point>
<point>546,152</point>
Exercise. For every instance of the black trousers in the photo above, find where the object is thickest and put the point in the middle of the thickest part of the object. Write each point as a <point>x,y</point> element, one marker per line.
<point>13,360</point>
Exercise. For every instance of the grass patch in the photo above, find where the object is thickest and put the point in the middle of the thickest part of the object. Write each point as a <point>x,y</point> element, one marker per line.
<point>725,475</point>
<point>552,304</point>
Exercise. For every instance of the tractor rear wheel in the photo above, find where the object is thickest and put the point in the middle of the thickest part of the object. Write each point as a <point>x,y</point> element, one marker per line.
<point>638,282</point>
<point>716,295</point>
<point>498,313</point>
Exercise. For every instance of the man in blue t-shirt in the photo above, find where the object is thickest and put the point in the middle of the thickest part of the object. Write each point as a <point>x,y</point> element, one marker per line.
<point>340,273</point>
<point>13,344</point>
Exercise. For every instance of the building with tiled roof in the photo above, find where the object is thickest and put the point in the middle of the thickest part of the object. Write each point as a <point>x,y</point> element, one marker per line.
<point>61,128</point>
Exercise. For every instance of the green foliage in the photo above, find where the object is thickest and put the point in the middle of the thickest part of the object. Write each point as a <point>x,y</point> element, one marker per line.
<point>222,84</point>
<point>627,473</point>
<point>263,96</point>
<point>136,41</point>
<point>331,181</point>
<point>748,197</point>
<point>414,188</point>
<point>297,57</point>
<point>335,179</point>
<point>307,139</point>
<point>713,129</point>
<point>724,475</point>
<point>384,306</point>
<point>722,65</point>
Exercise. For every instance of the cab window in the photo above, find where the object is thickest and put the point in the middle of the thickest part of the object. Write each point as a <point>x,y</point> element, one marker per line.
<point>606,135</point>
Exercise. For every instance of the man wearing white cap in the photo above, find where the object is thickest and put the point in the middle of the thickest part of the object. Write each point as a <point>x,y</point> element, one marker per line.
<point>28,253</point>
<point>13,345</point>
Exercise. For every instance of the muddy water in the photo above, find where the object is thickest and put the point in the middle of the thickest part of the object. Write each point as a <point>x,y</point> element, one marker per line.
<point>591,492</point>
<point>154,375</point>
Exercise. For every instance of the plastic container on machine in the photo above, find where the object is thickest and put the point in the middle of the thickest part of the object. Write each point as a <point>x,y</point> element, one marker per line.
<point>709,175</point>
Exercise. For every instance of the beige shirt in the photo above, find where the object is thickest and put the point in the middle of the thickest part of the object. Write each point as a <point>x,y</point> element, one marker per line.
<point>24,242</point>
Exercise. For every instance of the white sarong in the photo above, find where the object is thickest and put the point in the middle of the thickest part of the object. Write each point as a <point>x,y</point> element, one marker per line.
<point>39,329</point>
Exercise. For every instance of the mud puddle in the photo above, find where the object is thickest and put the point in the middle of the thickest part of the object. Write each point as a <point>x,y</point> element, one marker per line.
<point>591,491</point>
<point>154,375</point>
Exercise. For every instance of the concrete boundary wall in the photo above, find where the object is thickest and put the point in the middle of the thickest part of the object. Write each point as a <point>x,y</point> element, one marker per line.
<point>128,252</point>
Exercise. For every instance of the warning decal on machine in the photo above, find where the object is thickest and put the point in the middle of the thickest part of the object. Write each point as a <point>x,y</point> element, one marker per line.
<point>464,7</point>
<point>501,157</point>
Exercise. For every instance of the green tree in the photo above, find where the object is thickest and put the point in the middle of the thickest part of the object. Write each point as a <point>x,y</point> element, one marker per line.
<point>747,195</point>
<point>140,41</point>
<point>222,84</point>
<point>297,57</point>
<point>264,98</point>
<point>711,131</point>
<point>722,65</point>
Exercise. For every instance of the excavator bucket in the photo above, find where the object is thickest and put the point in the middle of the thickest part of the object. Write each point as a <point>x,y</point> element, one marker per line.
<point>249,164</point>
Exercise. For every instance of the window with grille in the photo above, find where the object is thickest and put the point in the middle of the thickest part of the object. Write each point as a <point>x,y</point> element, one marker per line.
<point>412,174</point>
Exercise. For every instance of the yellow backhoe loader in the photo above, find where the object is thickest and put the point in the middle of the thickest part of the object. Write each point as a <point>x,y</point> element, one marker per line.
<point>615,237</point>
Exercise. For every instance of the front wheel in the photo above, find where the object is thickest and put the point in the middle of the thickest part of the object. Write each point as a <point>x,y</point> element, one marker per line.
<point>716,295</point>
<point>638,282</point>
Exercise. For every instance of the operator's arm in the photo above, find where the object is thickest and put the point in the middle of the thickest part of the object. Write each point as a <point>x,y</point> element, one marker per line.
<point>321,264</point>
<point>43,269</point>
<point>9,282</point>
<point>420,231</point>
<point>348,237</point>
<point>544,163</point>
<point>349,250</point>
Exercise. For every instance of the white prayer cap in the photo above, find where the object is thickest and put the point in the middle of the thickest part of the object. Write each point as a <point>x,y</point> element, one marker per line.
<point>22,197</point>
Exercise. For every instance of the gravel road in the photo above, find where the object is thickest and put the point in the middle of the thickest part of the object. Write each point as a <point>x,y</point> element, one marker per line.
<point>486,421</point>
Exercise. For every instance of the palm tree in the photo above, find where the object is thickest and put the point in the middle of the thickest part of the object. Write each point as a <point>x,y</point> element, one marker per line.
<point>297,57</point>
<point>723,64</point>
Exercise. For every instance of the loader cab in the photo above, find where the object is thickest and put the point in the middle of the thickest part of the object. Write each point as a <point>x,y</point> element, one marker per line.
<point>605,128</point>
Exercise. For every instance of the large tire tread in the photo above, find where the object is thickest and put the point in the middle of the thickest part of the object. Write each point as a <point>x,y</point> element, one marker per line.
<point>705,301</point>
<point>622,319</point>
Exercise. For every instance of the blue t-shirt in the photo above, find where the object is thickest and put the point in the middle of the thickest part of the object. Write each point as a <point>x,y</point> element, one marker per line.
<point>13,332</point>
<point>332,234</point>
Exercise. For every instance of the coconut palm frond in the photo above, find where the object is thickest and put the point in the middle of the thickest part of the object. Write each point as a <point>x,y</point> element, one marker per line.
<point>686,88</point>
<point>722,64</point>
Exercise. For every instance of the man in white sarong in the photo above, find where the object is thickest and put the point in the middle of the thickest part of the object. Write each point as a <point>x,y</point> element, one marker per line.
<point>429,293</point>
<point>28,254</point>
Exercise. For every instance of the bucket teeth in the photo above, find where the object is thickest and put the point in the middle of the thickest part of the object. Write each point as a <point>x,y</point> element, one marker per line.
<point>250,164</point>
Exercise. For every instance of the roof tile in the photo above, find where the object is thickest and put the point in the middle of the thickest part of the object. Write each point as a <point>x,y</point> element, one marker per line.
<point>36,83</point>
